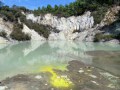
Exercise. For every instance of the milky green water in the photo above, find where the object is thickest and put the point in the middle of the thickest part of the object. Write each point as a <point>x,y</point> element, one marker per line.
<point>31,57</point>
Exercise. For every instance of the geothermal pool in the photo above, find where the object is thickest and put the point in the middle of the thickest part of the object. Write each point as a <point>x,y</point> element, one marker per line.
<point>60,65</point>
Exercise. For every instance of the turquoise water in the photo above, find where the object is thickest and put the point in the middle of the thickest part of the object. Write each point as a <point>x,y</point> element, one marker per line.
<point>31,57</point>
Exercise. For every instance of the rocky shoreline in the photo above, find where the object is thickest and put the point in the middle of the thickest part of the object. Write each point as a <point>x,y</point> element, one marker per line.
<point>78,76</point>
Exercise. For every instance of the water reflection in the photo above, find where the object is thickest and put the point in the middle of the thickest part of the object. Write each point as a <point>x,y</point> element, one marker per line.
<point>30,57</point>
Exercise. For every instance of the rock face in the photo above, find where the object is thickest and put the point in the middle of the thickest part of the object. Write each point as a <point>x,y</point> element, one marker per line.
<point>83,22</point>
<point>6,27</point>
<point>87,35</point>
<point>110,16</point>
<point>66,26</point>
<point>3,40</point>
<point>34,35</point>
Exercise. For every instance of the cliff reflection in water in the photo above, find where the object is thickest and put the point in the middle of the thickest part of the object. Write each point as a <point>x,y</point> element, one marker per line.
<point>30,57</point>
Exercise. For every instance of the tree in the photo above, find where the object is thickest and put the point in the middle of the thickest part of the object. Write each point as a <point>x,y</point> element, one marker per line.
<point>56,9</point>
<point>49,8</point>
<point>43,10</point>
<point>76,8</point>
<point>39,9</point>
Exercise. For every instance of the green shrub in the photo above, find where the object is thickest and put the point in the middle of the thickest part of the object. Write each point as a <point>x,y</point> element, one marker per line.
<point>17,33</point>
<point>22,18</point>
<point>118,36</point>
<point>100,36</point>
<point>3,34</point>
<point>99,14</point>
<point>12,14</point>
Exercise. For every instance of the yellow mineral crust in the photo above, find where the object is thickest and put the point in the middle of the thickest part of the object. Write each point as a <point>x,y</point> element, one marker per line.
<point>58,80</point>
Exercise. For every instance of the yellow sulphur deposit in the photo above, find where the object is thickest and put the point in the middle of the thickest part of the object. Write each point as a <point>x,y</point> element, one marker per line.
<point>56,80</point>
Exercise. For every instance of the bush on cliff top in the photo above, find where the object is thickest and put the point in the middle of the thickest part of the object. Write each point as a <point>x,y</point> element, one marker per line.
<point>12,14</point>
<point>97,7</point>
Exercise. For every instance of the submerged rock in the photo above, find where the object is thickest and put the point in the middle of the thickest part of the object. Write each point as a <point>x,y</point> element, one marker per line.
<point>107,60</point>
<point>38,77</point>
<point>114,41</point>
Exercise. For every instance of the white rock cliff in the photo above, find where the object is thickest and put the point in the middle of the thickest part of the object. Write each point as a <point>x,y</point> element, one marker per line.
<point>6,27</point>
<point>66,26</point>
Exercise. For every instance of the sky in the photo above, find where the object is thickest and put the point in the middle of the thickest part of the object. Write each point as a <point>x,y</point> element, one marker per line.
<point>33,4</point>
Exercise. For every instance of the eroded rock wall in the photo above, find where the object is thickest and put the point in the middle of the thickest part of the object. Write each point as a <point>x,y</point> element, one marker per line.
<point>66,26</point>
